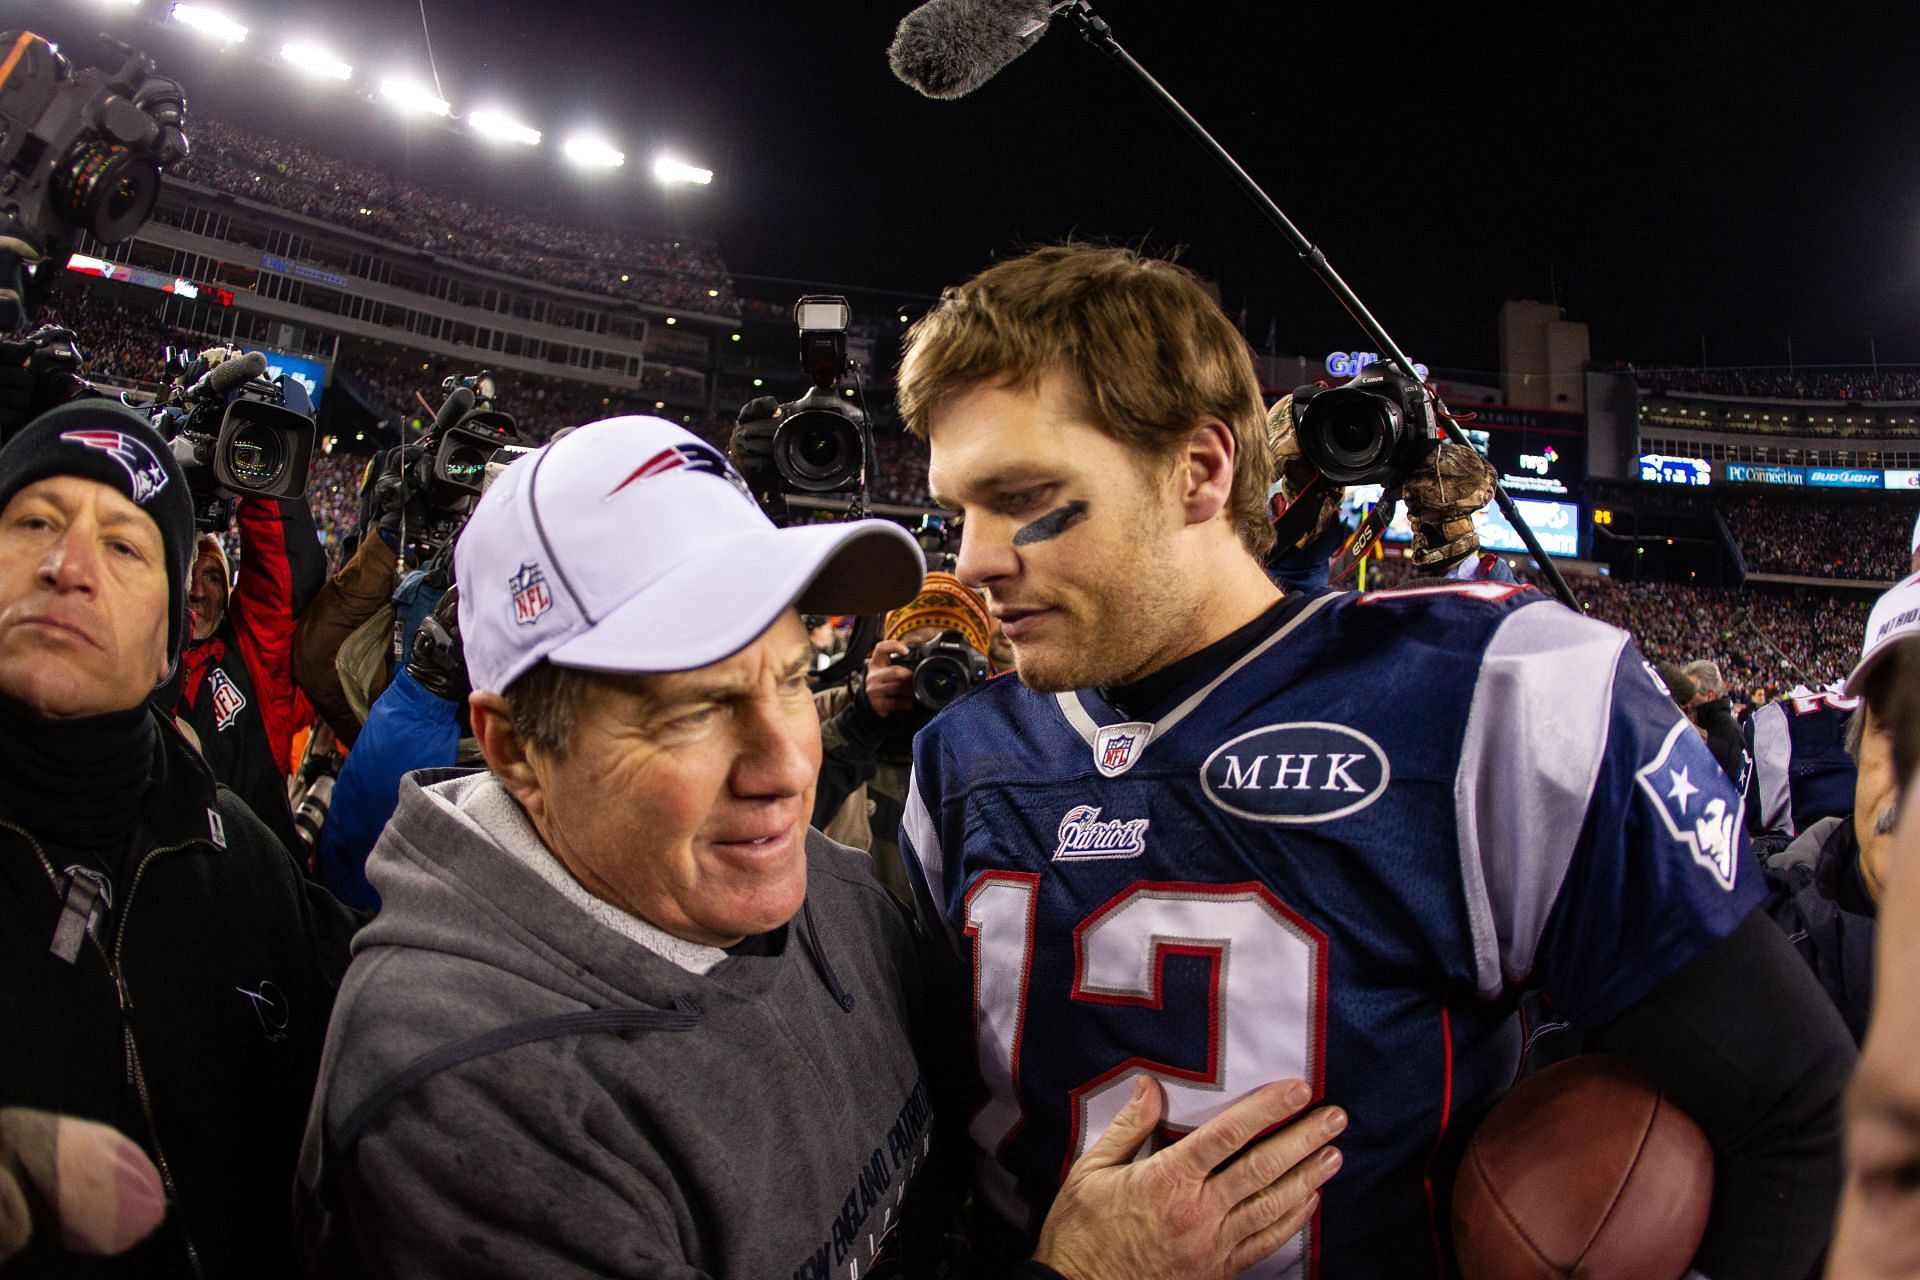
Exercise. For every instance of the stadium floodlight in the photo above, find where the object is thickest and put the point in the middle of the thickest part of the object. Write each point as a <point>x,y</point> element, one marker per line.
<point>412,98</point>
<point>593,153</point>
<point>210,22</point>
<point>667,169</point>
<point>313,60</point>
<point>498,126</point>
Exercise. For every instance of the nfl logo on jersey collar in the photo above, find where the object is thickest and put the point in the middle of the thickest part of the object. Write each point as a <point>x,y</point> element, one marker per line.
<point>1117,746</point>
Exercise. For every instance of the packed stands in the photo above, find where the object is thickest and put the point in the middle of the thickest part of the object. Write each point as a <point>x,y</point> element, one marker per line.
<point>1863,383</point>
<point>1810,537</point>
<point>537,245</point>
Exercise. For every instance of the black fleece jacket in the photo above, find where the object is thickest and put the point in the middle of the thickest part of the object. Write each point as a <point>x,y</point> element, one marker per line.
<point>190,1019</point>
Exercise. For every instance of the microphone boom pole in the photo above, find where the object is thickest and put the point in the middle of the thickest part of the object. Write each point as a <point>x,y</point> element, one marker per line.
<point>1097,33</point>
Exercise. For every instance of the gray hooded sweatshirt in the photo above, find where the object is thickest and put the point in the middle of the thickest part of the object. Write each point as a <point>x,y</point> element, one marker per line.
<point>515,1084</point>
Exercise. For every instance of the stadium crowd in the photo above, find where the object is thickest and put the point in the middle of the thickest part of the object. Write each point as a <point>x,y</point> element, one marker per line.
<point>1819,538</point>
<point>540,246</point>
<point>1901,384</point>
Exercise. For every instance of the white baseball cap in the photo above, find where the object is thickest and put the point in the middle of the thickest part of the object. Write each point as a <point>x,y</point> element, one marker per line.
<point>1895,617</point>
<point>632,545</point>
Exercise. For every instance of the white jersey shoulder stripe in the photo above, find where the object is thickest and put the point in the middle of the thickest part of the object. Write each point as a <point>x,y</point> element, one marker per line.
<point>922,839</point>
<point>1536,733</point>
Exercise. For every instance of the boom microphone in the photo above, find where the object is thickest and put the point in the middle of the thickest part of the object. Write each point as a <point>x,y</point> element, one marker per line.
<point>458,404</point>
<point>948,48</point>
<point>236,371</point>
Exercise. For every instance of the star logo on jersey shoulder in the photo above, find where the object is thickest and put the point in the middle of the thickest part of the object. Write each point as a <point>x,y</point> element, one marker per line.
<point>1709,830</point>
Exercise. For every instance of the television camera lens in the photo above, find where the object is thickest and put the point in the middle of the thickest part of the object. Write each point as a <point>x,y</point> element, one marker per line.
<point>466,465</point>
<point>107,190</point>
<point>257,456</point>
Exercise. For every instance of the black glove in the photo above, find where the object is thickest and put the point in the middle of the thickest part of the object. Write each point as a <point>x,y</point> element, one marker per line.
<point>436,661</point>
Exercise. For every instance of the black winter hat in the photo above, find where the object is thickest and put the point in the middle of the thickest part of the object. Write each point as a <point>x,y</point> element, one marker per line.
<point>100,440</point>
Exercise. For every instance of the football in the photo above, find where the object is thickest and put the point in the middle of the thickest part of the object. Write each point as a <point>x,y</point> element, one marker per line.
<point>1584,1170</point>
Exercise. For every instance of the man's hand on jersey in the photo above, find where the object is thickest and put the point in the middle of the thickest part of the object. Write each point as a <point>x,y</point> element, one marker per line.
<point>1179,1212</point>
<point>889,688</point>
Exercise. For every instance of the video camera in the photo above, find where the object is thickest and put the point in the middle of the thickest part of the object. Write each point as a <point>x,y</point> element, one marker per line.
<point>433,483</point>
<point>817,444</point>
<point>82,150</point>
<point>1374,428</point>
<point>236,433</point>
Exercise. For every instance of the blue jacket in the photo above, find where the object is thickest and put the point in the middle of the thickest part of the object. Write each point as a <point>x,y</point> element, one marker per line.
<point>407,729</point>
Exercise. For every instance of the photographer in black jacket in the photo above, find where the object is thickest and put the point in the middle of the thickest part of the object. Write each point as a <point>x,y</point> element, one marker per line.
<point>169,970</point>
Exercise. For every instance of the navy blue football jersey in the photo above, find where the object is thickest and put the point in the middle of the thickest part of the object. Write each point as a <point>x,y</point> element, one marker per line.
<point>1336,859</point>
<point>1801,770</point>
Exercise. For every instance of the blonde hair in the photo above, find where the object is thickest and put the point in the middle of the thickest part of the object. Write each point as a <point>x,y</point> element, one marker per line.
<point>1150,350</point>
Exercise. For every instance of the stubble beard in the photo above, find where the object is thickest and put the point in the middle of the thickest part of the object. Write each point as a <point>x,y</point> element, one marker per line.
<point>1116,635</point>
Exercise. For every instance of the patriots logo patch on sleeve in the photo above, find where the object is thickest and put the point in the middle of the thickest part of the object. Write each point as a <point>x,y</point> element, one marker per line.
<point>144,471</point>
<point>1687,790</point>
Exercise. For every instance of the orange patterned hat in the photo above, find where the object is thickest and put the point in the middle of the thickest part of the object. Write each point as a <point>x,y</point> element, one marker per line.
<point>945,602</point>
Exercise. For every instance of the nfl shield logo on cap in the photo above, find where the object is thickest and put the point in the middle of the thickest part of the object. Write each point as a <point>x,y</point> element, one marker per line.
<point>530,595</point>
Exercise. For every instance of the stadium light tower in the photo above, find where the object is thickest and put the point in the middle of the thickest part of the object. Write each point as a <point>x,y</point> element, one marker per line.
<point>498,126</point>
<point>679,173</point>
<point>210,23</point>
<point>593,153</point>
<point>313,60</point>
<point>412,98</point>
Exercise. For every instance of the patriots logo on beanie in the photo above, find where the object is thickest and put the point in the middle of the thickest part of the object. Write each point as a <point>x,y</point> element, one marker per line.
<point>144,471</point>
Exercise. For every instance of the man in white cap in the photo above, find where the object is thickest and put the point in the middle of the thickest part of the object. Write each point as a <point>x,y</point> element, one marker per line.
<point>622,1013</point>
<point>1825,888</point>
<point>1878,1237</point>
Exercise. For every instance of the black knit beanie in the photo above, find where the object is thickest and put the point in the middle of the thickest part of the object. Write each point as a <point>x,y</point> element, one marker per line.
<point>100,440</point>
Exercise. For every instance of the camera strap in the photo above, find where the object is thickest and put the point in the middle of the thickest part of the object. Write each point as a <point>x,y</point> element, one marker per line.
<point>1365,537</point>
<point>1293,520</point>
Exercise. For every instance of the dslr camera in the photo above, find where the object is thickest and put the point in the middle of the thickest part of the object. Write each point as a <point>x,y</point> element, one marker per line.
<point>1372,429</point>
<point>83,150</point>
<point>236,433</point>
<point>818,444</point>
<point>943,668</point>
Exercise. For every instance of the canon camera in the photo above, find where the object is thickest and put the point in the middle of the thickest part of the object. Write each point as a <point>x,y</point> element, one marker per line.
<point>943,668</point>
<point>1372,429</point>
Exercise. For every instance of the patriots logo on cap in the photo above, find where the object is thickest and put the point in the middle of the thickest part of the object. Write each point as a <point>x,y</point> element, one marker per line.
<point>145,471</point>
<point>677,457</point>
<point>531,597</point>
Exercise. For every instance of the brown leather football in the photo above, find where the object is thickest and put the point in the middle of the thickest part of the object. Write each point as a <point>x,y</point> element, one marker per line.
<point>1583,1170</point>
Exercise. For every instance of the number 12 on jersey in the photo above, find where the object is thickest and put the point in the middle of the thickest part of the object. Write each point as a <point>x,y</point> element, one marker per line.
<point>1265,1016</point>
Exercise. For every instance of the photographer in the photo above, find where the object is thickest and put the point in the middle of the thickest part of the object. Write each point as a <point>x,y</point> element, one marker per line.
<point>868,737</point>
<point>188,1014</point>
<point>237,688</point>
<point>418,723</point>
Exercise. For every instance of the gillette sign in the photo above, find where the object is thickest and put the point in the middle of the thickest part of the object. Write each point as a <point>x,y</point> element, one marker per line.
<point>1345,364</point>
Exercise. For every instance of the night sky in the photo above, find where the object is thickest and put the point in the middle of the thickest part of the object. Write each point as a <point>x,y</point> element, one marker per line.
<point>1672,174</point>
